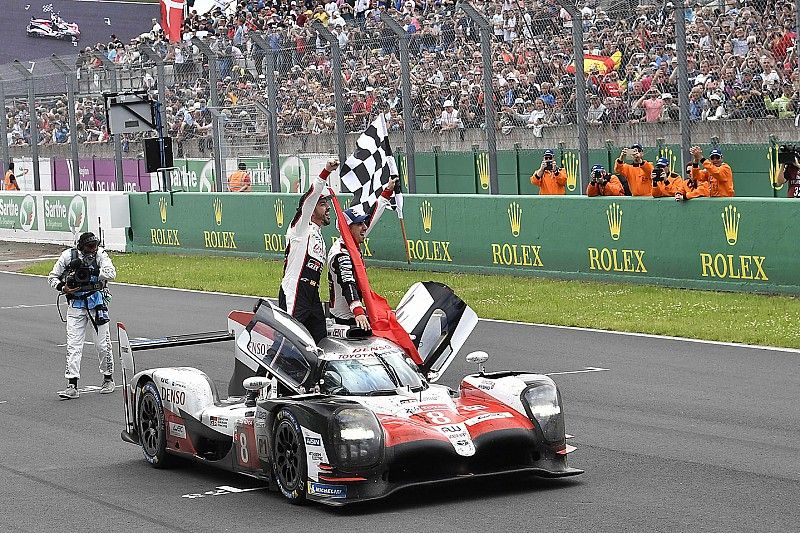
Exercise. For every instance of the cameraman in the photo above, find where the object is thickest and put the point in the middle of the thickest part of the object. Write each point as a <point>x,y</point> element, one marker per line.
<point>549,178</point>
<point>665,182</point>
<point>604,184</point>
<point>81,274</point>
<point>694,187</point>
<point>789,174</point>
<point>637,173</point>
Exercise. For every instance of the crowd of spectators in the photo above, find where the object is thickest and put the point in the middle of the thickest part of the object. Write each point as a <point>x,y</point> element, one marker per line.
<point>742,64</point>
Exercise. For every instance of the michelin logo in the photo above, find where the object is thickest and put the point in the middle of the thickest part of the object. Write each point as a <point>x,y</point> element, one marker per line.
<point>329,491</point>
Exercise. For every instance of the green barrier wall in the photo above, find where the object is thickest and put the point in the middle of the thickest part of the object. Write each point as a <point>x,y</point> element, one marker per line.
<point>468,172</point>
<point>725,244</point>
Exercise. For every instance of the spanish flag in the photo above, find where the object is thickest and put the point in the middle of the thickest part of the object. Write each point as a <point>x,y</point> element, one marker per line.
<point>604,64</point>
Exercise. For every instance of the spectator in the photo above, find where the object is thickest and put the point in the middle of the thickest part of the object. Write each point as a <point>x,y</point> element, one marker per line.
<point>718,174</point>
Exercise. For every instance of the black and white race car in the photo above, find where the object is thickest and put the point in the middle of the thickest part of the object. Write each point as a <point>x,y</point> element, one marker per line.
<point>53,28</point>
<point>352,418</point>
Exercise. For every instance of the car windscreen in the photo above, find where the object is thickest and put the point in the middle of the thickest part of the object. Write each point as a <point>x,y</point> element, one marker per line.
<point>370,374</point>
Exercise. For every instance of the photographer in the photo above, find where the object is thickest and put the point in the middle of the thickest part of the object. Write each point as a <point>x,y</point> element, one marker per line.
<point>665,182</point>
<point>789,171</point>
<point>604,184</point>
<point>81,274</point>
<point>549,178</point>
<point>637,173</point>
<point>718,174</point>
<point>695,186</point>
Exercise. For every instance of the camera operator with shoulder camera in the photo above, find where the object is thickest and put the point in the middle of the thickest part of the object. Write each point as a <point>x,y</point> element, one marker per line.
<point>81,273</point>
<point>665,182</point>
<point>548,177</point>
<point>789,159</point>
<point>637,173</point>
<point>602,183</point>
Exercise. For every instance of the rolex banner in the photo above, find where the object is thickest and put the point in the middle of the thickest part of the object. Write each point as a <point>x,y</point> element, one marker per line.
<point>733,243</point>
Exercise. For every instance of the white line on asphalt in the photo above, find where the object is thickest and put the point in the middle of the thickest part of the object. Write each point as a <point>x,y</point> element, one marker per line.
<point>23,306</point>
<point>4,401</point>
<point>85,342</point>
<point>219,491</point>
<point>588,369</point>
<point>93,388</point>
<point>499,321</point>
<point>30,260</point>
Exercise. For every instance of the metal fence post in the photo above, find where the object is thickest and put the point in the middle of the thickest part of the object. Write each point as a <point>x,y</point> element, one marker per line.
<point>4,151</point>
<point>272,110</point>
<point>211,57</point>
<point>34,119</point>
<point>683,75</point>
<point>110,67</point>
<point>336,69</point>
<point>408,111</point>
<point>151,54</point>
<point>488,99</point>
<point>580,90</point>
<point>73,126</point>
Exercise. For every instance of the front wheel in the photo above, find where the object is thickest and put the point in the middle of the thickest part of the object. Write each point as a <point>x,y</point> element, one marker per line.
<point>289,457</point>
<point>152,427</point>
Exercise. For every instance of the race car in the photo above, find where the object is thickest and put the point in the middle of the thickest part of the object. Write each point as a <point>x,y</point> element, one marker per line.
<point>352,418</point>
<point>53,28</point>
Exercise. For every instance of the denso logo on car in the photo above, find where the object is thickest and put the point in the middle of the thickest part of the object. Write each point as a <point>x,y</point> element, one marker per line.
<point>330,491</point>
<point>173,396</point>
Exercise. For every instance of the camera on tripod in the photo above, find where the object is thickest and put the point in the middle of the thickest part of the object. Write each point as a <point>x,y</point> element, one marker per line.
<point>788,154</point>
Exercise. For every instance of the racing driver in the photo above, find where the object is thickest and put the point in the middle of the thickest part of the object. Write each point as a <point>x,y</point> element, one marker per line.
<point>305,255</point>
<point>346,306</point>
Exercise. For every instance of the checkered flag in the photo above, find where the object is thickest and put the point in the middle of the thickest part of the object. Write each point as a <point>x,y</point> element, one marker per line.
<point>368,170</point>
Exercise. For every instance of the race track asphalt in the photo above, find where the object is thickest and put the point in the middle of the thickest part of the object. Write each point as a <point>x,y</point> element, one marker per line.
<point>674,436</point>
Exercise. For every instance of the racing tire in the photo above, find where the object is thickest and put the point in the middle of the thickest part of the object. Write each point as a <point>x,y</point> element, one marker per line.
<point>289,457</point>
<point>152,428</point>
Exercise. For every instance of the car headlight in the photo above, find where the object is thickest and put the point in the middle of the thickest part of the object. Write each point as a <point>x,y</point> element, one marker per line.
<point>543,402</point>
<point>357,437</point>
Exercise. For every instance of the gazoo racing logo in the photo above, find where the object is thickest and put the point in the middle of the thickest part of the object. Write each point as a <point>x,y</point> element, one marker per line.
<point>616,259</point>
<point>730,266</point>
<point>516,254</point>
<point>76,214</point>
<point>27,213</point>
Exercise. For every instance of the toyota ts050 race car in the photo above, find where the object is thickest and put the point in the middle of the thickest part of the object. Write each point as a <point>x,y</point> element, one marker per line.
<point>53,28</point>
<point>352,418</point>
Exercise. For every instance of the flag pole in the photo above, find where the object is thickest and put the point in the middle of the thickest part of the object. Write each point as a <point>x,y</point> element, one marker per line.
<point>405,240</point>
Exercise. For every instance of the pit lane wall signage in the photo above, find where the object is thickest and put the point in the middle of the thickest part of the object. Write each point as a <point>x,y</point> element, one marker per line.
<point>731,244</point>
<point>57,218</point>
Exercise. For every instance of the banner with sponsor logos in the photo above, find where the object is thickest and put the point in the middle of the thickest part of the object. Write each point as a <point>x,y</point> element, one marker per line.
<point>728,244</point>
<point>99,174</point>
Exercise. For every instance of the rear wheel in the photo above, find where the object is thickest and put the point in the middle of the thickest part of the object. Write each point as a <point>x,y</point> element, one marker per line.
<point>289,457</point>
<point>152,427</point>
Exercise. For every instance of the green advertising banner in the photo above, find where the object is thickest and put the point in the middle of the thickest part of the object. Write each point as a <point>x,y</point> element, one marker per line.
<point>18,212</point>
<point>64,213</point>
<point>294,172</point>
<point>717,243</point>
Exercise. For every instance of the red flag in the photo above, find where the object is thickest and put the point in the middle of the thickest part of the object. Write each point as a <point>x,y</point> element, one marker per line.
<point>172,19</point>
<point>381,317</point>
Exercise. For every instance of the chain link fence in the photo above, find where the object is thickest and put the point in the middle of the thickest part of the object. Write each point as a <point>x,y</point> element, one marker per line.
<point>334,72</point>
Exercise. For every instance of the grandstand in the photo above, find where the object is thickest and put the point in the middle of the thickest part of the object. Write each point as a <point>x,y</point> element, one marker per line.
<point>741,60</point>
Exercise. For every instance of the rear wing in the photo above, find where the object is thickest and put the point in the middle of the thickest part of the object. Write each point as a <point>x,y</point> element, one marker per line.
<point>127,347</point>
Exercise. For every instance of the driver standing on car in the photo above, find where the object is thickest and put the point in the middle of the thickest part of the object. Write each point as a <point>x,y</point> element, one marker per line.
<point>346,307</point>
<point>84,307</point>
<point>305,256</point>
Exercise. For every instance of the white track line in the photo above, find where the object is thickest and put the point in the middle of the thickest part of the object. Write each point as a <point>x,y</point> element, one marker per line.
<point>588,369</point>
<point>499,321</point>
<point>30,260</point>
<point>23,306</point>
<point>4,401</point>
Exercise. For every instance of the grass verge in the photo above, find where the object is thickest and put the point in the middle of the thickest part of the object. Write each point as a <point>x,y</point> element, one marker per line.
<point>732,317</point>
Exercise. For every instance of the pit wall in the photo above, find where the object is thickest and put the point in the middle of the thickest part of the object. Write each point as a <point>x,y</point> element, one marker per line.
<point>738,244</point>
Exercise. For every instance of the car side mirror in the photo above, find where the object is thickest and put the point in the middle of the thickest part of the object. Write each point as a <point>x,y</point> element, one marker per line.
<point>253,387</point>
<point>478,358</point>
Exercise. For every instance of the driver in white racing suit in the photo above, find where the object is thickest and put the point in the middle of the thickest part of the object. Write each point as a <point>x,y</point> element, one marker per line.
<point>305,256</point>
<point>346,306</point>
<point>85,306</point>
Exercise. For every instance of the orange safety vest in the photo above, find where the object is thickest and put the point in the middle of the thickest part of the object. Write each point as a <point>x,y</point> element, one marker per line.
<point>720,178</point>
<point>612,188</point>
<point>638,176</point>
<point>239,181</point>
<point>10,182</point>
<point>550,182</point>
<point>676,184</point>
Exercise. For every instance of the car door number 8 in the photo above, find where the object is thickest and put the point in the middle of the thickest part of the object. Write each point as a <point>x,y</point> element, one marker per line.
<point>438,418</point>
<point>244,455</point>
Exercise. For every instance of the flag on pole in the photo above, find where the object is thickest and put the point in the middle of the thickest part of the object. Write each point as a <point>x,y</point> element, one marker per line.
<point>382,319</point>
<point>172,19</point>
<point>368,170</point>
